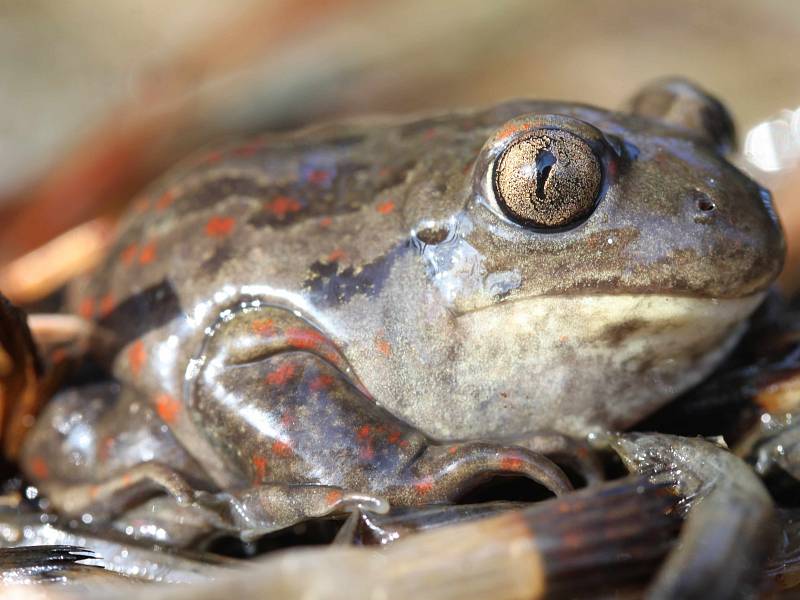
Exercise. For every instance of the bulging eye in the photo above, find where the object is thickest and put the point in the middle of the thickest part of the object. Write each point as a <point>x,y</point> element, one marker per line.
<point>547,178</point>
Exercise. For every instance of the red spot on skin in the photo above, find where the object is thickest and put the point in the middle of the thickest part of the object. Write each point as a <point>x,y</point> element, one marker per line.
<point>165,200</point>
<point>385,207</point>
<point>263,327</point>
<point>336,254</point>
<point>513,129</point>
<point>213,157</point>
<point>333,497</point>
<point>393,437</point>
<point>260,464</point>
<point>452,450</point>
<point>107,304</point>
<point>281,375</point>
<point>325,222</point>
<point>363,432</point>
<point>612,168</point>
<point>39,468</point>
<point>319,177</point>
<point>366,453</point>
<point>142,204</point>
<point>280,448</point>
<point>383,346</point>
<point>248,149</point>
<point>280,206</point>
<point>86,308</point>
<point>136,357</point>
<point>219,226</point>
<point>511,463</point>
<point>167,408</point>
<point>322,382</point>
<point>424,486</point>
<point>129,254</point>
<point>304,339</point>
<point>403,443</point>
<point>148,254</point>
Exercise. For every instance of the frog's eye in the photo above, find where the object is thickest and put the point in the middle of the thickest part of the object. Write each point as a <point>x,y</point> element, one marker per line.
<point>547,178</point>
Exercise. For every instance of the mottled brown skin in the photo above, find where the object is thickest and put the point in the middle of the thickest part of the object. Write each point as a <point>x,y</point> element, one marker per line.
<point>304,311</point>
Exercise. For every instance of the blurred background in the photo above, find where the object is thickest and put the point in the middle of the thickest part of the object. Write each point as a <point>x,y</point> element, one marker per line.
<point>97,98</point>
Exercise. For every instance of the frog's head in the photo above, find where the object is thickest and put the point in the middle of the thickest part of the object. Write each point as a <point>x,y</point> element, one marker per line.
<point>622,244</point>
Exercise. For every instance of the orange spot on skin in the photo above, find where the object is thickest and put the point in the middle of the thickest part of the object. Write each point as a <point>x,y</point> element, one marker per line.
<point>452,450</point>
<point>39,468</point>
<point>280,448</point>
<point>322,382</point>
<point>142,204</point>
<point>383,346</point>
<point>148,254</point>
<point>165,200</point>
<point>280,206</point>
<point>127,479</point>
<point>213,157</point>
<point>107,304</point>
<point>219,226</point>
<point>260,464</point>
<point>394,437</point>
<point>129,254</point>
<point>319,176</point>
<point>137,357</point>
<point>106,445</point>
<point>94,491</point>
<point>363,432</point>
<point>333,497</point>
<point>86,308</point>
<point>304,339</point>
<point>385,207</point>
<point>336,255</point>
<point>167,408</point>
<point>366,453</point>
<point>511,463</point>
<point>424,486</point>
<point>263,327</point>
<point>326,222</point>
<point>281,375</point>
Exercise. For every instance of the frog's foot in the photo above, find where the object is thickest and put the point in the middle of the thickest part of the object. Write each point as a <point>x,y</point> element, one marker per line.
<point>774,443</point>
<point>573,453</point>
<point>260,510</point>
<point>730,527</point>
<point>444,473</point>
<point>111,497</point>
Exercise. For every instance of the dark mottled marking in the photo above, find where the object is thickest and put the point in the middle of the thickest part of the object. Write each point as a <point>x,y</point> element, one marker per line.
<point>616,334</point>
<point>149,309</point>
<point>331,285</point>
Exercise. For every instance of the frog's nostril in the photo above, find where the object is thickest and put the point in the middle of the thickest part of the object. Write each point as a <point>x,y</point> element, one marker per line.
<point>703,201</point>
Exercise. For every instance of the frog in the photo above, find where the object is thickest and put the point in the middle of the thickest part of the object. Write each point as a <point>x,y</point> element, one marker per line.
<point>386,311</point>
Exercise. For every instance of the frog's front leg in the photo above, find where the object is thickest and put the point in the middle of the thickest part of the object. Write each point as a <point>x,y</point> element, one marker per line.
<point>280,405</point>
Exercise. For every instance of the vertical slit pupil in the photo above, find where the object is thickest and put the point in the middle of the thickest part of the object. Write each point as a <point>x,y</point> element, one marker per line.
<point>544,164</point>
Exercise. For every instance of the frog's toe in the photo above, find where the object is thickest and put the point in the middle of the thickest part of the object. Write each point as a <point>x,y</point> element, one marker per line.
<point>446,473</point>
<point>730,526</point>
<point>271,507</point>
<point>573,453</point>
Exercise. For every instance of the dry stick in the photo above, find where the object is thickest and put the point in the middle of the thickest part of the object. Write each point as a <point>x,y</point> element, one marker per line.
<point>604,536</point>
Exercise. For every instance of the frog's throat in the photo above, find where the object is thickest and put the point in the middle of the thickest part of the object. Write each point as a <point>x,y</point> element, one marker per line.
<point>596,361</point>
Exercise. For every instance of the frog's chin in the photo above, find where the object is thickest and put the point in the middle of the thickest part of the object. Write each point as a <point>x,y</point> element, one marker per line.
<point>581,363</point>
